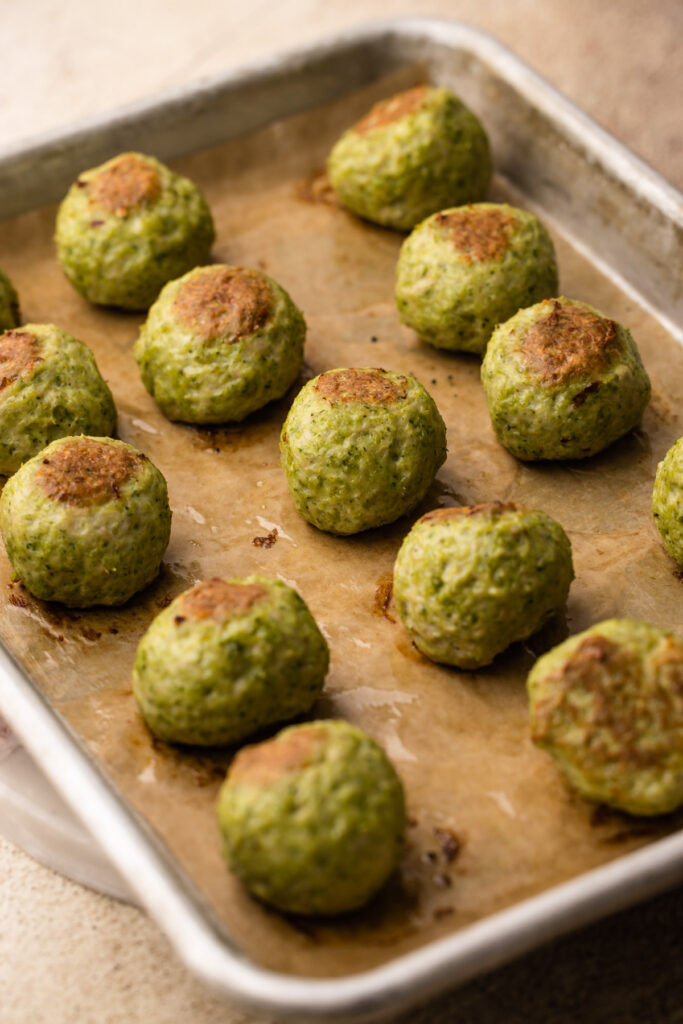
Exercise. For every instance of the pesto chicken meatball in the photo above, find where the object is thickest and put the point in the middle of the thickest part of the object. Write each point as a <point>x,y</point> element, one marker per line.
<point>667,500</point>
<point>9,304</point>
<point>471,580</point>
<point>465,270</point>
<point>360,447</point>
<point>562,381</point>
<point>49,387</point>
<point>86,521</point>
<point>127,227</point>
<point>219,343</point>
<point>227,658</point>
<point>607,704</point>
<point>412,154</point>
<point>312,821</point>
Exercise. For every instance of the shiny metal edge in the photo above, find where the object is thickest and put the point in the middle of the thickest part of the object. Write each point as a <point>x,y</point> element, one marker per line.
<point>569,142</point>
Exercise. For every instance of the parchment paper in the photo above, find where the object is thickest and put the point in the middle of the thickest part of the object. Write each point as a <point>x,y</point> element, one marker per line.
<point>491,820</point>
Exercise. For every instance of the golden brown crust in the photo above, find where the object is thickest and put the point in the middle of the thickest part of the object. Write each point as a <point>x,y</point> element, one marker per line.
<point>224,301</point>
<point>87,472</point>
<point>599,693</point>
<point>19,353</point>
<point>465,511</point>
<point>218,599</point>
<point>478,235</point>
<point>392,109</point>
<point>126,184</point>
<point>383,594</point>
<point>370,386</point>
<point>265,763</point>
<point>569,342</point>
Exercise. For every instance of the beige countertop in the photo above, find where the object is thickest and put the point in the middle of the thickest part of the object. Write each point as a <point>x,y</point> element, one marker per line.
<point>70,955</point>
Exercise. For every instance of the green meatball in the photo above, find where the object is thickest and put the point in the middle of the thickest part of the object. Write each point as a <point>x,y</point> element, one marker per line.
<point>667,500</point>
<point>471,580</point>
<point>49,387</point>
<point>86,521</point>
<point>607,704</point>
<point>465,270</point>
<point>412,154</point>
<point>312,821</point>
<point>360,447</point>
<point>219,343</point>
<point>127,227</point>
<point>562,381</point>
<point>227,658</point>
<point>9,304</point>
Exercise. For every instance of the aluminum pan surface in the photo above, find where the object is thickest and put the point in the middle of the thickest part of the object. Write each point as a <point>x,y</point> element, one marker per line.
<point>451,959</point>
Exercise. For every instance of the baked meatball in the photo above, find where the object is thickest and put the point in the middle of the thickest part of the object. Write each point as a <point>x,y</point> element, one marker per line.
<point>227,658</point>
<point>667,500</point>
<point>465,270</point>
<point>607,704</point>
<point>469,581</point>
<point>412,154</point>
<point>127,227</point>
<point>562,381</point>
<point>49,387</point>
<point>86,521</point>
<point>219,343</point>
<point>360,447</point>
<point>312,821</point>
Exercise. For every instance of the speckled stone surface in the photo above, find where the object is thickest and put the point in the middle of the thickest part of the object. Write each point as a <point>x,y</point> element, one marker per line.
<point>69,956</point>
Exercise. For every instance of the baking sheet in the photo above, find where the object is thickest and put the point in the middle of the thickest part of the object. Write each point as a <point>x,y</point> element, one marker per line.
<point>491,821</point>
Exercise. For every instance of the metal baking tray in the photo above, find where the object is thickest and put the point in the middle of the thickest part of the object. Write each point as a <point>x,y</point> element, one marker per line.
<point>613,208</point>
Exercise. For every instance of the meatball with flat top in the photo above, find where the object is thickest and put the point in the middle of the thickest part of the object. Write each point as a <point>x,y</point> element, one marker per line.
<point>562,381</point>
<point>127,227</point>
<point>412,154</point>
<point>86,521</point>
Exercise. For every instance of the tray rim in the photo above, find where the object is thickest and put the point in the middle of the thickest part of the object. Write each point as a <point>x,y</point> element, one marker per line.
<point>610,151</point>
<point>132,847</point>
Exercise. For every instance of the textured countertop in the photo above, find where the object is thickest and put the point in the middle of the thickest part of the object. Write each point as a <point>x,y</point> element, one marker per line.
<point>70,955</point>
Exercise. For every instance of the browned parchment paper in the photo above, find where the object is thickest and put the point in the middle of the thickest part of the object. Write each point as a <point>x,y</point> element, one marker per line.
<point>491,820</point>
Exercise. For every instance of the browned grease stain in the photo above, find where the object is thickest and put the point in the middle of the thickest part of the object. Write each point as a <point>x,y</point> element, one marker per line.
<point>478,235</point>
<point>87,472</point>
<point>569,342</point>
<point>371,386</point>
<point>317,189</point>
<point>224,302</point>
<point>465,511</point>
<point>392,109</point>
<point>406,647</point>
<point>218,599</point>
<point>131,747</point>
<point>19,353</point>
<point>383,594</point>
<point>128,183</point>
<point>267,541</point>
<point>662,407</point>
<point>265,763</point>
<point>450,843</point>
<point>428,870</point>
